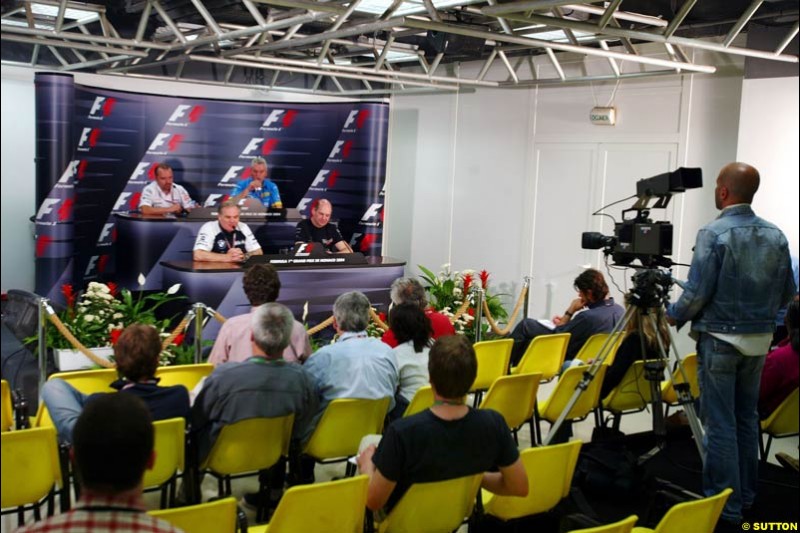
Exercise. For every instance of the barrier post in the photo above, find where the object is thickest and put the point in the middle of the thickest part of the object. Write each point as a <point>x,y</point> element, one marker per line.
<point>478,312</point>
<point>526,282</point>
<point>43,308</point>
<point>198,309</point>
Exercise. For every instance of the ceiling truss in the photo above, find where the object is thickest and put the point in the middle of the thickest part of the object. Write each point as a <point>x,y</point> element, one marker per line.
<point>353,48</point>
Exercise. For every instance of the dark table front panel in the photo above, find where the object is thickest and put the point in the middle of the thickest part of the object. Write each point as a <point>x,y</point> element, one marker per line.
<point>220,286</point>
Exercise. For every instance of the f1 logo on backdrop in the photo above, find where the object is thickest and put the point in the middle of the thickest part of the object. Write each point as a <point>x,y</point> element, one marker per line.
<point>143,168</point>
<point>304,250</point>
<point>252,148</point>
<point>98,263</point>
<point>233,174</point>
<point>168,141</point>
<point>130,198</point>
<point>343,147</point>
<point>101,107</point>
<point>67,179</point>
<point>107,235</point>
<point>192,114</point>
<point>359,116</point>
<point>373,216</point>
<point>279,119</point>
<point>322,175</point>
<point>88,139</point>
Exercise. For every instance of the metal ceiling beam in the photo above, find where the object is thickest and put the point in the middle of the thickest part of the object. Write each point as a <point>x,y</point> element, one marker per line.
<point>609,12</point>
<point>789,36</point>
<point>276,65</point>
<point>526,5</point>
<point>335,26</point>
<point>168,20</point>
<point>74,36</point>
<point>679,17</point>
<point>743,20</point>
<point>358,29</point>
<point>77,46</point>
<point>653,37</point>
<point>538,43</point>
<point>198,5</point>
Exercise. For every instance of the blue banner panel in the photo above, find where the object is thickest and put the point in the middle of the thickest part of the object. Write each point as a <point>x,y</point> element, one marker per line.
<point>97,149</point>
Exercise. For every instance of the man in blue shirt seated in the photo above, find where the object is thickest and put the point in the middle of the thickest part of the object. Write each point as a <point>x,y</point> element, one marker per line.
<point>258,186</point>
<point>136,354</point>
<point>447,441</point>
<point>598,314</point>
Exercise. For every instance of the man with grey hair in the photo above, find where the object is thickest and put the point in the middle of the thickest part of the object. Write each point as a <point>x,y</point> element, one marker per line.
<point>356,366</point>
<point>262,386</point>
<point>225,240</point>
<point>410,291</point>
<point>258,187</point>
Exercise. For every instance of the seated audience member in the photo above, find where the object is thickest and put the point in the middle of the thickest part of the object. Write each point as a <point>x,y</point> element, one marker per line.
<point>355,366</point>
<point>780,323</point>
<point>264,385</point>
<point>413,332</point>
<point>781,373</point>
<point>261,285</point>
<point>136,353</point>
<point>319,228</point>
<point>598,314</point>
<point>112,448</point>
<point>447,441</point>
<point>163,196</point>
<point>258,187</point>
<point>410,291</point>
<point>226,240</point>
<point>630,349</point>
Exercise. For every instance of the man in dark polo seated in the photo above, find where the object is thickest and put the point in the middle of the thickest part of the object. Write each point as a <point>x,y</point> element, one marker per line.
<point>593,311</point>
<point>136,353</point>
<point>319,228</point>
<point>447,441</point>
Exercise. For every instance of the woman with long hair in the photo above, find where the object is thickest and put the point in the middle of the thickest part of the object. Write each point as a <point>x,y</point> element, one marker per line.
<point>413,331</point>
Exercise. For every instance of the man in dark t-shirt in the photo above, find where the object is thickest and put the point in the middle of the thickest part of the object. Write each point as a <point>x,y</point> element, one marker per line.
<point>447,441</point>
<point>318,228</point>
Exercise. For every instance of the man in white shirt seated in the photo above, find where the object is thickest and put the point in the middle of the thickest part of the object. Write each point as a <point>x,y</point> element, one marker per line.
<point>163,196</point>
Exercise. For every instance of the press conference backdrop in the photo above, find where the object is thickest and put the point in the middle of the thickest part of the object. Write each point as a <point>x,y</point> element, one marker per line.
<point>96,149</point>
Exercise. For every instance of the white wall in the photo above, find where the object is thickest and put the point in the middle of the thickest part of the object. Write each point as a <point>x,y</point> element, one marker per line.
<point>506,180</point>
<point>768,137</point>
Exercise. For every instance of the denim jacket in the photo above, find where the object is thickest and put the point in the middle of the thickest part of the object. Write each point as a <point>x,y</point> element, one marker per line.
<point>740,275</point>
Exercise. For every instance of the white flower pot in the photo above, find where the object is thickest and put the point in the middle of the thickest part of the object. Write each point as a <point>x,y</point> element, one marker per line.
<point>67,360</point>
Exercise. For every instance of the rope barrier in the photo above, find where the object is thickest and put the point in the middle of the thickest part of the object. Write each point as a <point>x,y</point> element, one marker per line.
<point>221,319</point>
<point>180,328</point>
<point>74,342</point>
<point>511,319</point>
<point>322,325</point>
<point>375,318</point>
<point>461,311</point>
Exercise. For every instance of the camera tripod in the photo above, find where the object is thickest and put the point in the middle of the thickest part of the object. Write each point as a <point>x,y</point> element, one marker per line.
<point>651,288</point>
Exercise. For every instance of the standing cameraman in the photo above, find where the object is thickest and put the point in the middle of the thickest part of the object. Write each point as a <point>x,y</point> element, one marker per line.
<point>740,275</point>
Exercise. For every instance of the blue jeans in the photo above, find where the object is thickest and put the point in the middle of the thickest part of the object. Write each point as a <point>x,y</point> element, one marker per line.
<point>729,385</point>
<point>64,403</point>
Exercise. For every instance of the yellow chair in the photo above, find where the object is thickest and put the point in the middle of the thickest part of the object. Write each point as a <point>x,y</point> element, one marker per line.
<point>85,381</point>
<point>550,470</point>
<point>341,428</point>
<point>668,394</point>
<point>31,470</point>
<point>187,375</point>
<point>218,516</point>
<point>699,516</point>
<point>248,447</point>
<point>317,507</point>
<point>493,358</point>
<point>783,422</point>
<point>595,343</point>
<point>514,397</point>
<point>551,408</point>
<point>6,406</point>
<point>435,506</point>
<point>423,399</point>
<point>545,356</point>
<point>633,394</point>
<point>623,526</point>
<point>170,445</point>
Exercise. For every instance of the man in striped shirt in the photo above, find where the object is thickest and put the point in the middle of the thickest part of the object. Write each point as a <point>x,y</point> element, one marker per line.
<point>112,447</point>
